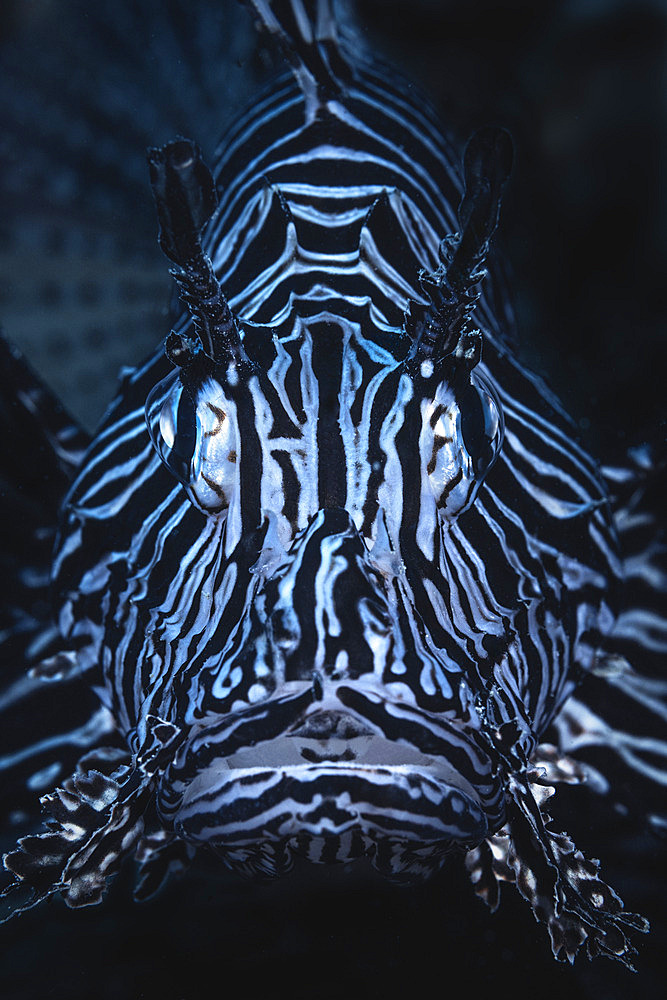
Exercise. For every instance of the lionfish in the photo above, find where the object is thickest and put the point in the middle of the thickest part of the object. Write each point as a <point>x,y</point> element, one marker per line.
<point>333,579</point>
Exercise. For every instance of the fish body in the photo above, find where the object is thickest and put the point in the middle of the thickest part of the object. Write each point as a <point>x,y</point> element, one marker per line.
<point>340,577</point>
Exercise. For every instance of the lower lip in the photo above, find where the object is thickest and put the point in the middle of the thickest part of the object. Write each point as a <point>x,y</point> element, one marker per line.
<point>231,807</point>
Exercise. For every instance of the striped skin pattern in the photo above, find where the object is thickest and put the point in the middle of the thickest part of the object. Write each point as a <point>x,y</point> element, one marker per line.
<point>334,584</point>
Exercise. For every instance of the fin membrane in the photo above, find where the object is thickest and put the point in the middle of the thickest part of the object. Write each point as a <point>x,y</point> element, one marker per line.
<point>48,715</point>
<point>561,885</point>
<point>616,722</point>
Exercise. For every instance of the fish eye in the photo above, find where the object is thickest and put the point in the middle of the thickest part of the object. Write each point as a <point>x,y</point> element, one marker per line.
<point>174,429</point>
<point>461,437</point>
<point>481,424</point>
<point>193,435</point>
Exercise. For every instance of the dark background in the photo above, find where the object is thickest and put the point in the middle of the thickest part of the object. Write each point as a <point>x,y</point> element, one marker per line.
<point>83,288</point>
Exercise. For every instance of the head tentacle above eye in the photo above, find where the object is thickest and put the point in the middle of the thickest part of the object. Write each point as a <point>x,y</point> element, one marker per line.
<point>462,426</point>
<point>190,413</point>
<point>185,196</point>
<point>442,327</point>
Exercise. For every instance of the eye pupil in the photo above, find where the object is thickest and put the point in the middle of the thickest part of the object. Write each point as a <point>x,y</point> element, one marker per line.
<point>479,428</point>
<point>186,427</point>
<point>178,430</point>
<point>472,425</point>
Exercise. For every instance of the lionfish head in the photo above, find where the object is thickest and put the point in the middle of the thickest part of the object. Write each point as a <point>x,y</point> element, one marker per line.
<point>334,717</point>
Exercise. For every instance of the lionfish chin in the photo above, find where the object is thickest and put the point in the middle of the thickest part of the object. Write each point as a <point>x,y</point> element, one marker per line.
<point>333,579</point>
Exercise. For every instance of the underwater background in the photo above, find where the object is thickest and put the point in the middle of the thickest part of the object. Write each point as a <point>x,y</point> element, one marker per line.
<point>84,89</point>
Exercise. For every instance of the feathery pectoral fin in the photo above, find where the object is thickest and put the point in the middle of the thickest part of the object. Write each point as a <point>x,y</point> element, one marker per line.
<point>48,715</point>
<point>561,885</point>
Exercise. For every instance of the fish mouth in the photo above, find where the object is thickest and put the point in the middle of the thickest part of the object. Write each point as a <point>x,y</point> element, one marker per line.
<point>354,774</point>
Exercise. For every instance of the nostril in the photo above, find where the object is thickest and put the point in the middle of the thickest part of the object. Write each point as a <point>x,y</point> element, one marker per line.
<point>285,630</point>
<point>375,615</point>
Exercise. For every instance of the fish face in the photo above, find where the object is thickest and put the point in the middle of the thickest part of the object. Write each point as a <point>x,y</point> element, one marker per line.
<point>328,719</point>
